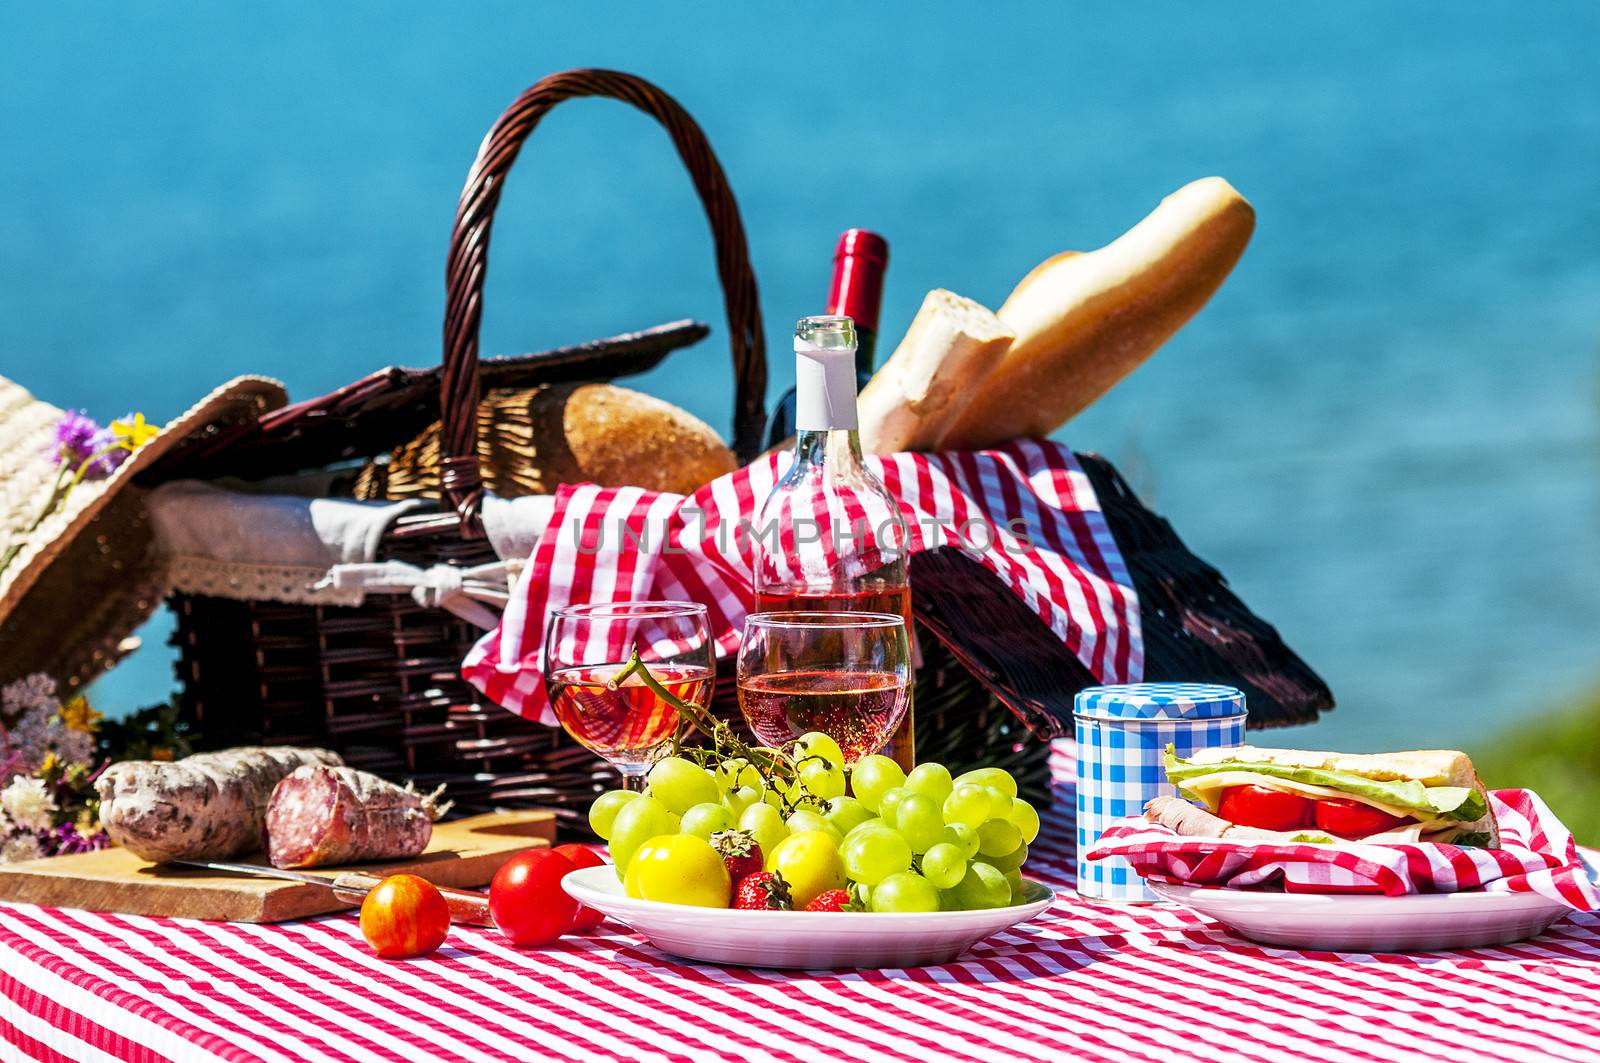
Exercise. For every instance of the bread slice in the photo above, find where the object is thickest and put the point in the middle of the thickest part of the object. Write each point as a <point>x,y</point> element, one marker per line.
<point>1430,767</point>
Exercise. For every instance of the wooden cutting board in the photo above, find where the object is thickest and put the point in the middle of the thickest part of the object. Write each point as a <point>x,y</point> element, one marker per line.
<point>463,852</point>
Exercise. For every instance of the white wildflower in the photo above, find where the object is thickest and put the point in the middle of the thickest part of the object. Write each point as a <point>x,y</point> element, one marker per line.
<point>20,847</point>
<point>28,804</point>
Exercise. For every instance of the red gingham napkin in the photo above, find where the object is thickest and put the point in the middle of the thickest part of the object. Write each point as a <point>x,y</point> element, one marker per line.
<point>1537,855</point>
<point>1026,511</point>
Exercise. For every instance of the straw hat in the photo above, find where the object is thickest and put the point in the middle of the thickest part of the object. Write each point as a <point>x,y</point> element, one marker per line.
<point>79,583</point>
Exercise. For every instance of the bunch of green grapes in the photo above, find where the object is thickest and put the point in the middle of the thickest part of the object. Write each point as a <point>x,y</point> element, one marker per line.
<point>921,842</point>
<point>931,842</point>
<point>789,792</point>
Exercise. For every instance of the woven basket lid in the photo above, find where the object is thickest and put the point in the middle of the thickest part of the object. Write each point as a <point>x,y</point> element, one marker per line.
<point>1160,701</point>
<point>85,578</point>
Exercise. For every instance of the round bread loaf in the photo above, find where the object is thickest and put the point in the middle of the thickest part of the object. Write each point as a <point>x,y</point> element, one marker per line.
<point>532,440</point>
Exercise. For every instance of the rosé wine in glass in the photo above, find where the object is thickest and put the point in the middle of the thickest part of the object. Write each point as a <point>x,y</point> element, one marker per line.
<point>627,723</point>
<point>845,674</point>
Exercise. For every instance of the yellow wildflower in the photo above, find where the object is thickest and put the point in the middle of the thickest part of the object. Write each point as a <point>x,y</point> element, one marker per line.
<point>47,765</point>
<point>134,431</point>
<point>79,715</point>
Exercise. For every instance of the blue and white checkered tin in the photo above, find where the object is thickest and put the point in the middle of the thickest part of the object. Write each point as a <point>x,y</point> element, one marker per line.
<point>1123,732</point>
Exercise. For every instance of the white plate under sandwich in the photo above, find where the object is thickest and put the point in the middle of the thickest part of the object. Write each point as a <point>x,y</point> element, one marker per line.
<point>802,939</point>
<point>1365,923</point>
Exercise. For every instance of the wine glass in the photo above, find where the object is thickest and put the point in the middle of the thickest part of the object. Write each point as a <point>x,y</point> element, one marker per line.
<point>619,716</point>
<point>844,674</point>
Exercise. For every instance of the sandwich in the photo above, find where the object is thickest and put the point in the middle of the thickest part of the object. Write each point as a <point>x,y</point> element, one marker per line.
<point>1290,795</point>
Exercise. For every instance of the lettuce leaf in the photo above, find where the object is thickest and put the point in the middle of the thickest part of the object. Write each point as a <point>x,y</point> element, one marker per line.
<point>1429,802</point>
<point>1458,802</point>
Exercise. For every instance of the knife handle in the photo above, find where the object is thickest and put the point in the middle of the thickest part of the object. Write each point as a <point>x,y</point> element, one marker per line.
<point>466,906</point>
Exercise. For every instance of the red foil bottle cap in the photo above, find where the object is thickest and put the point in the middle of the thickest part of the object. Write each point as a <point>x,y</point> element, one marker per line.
<point>859,262</point>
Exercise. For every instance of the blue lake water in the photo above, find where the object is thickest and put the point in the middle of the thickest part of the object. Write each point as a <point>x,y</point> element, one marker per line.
<point>1385,429</point>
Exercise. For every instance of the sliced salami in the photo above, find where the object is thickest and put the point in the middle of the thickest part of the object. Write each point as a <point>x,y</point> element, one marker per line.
<point>206,807</point>
<point>322,815</point>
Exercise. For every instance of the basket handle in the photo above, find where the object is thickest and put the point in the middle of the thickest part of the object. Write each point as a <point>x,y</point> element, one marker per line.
<point>469,254</point>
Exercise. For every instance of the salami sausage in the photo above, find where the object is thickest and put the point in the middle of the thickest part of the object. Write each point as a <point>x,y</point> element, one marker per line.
<point>323,815</point>
<point>206,807</point>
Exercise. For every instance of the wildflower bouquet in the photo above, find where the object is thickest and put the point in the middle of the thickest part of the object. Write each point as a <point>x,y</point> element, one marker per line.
<point>48,753</point>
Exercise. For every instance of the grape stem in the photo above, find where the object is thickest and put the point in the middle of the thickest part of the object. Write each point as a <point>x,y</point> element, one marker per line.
<point>636,666</point>
<point>771,765</point>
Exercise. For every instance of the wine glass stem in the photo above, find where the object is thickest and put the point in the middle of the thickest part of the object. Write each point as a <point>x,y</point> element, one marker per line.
<point>633,779</point>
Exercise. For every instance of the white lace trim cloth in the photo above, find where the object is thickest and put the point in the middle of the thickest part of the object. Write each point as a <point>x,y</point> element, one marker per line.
<point>256,583</point>
<point>467,592</point>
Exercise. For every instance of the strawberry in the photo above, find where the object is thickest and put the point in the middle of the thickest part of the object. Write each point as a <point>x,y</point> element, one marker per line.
<point>830,901</point>
<point>763,891</point>
<point>740,853</point>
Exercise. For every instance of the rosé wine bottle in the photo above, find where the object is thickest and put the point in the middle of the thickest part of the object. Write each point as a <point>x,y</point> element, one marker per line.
<point>830,537</point>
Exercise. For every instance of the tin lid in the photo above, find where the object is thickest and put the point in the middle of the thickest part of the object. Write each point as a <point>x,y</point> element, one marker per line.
<point>1159,701</point>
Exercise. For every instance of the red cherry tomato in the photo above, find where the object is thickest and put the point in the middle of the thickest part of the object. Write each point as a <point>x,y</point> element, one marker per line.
<point>527,901</point>
<point>1261,806</point>
<point>583,856</point>
<point>404,916</point>
<point>1352,819</point>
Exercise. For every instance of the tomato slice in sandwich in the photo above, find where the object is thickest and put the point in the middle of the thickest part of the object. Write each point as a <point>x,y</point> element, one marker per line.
<point>1352,819</point>
<point>1266,808</point>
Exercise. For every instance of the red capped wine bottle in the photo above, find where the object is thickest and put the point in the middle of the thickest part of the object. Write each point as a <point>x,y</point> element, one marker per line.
<point>859,262</point>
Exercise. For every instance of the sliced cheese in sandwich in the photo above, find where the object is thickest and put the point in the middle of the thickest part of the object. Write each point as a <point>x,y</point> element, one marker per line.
<point>1436,789</point>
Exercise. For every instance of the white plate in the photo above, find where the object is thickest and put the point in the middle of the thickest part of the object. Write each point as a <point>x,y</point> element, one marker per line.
<point>801,939</point>
<point>1359,923</point>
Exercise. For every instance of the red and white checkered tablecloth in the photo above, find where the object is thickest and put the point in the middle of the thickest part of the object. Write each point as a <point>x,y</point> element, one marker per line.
<point>1085,981</point>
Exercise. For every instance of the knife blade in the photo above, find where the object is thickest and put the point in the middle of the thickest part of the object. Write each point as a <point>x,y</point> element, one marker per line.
<point>466,906</point>
<point>256,869</point>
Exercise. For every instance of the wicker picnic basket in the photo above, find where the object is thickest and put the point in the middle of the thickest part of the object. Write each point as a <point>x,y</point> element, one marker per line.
<point>381,682</point>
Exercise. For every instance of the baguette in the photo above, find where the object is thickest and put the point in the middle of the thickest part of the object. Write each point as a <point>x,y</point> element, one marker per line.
<point>952,345</point>
<point>1085,321</point>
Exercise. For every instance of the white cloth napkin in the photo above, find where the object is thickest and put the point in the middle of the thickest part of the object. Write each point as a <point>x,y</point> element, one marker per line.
<point>195,519</point>
<point>284,547</point>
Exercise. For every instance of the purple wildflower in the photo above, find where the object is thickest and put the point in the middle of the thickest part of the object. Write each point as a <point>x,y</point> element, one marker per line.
<point>34,692</point>
<point>78,438</point>
<point>109,459</point>
<point>59,841</point>
<point>75,434</point>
